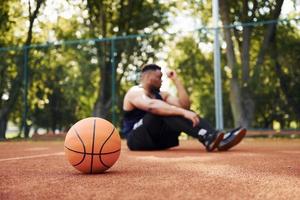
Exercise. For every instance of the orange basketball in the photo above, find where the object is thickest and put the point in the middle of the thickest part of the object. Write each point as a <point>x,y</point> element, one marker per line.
<point>92,145</point>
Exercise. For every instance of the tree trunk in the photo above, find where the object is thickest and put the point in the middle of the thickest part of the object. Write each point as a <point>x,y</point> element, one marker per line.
<point>10,103</point>
<point>98,11</point>
<point>27,131</point>
<point>235,102</point>
<point>3,126</point>
<point>248,104</point>
<point>103,104</point>
<point>235,91</point>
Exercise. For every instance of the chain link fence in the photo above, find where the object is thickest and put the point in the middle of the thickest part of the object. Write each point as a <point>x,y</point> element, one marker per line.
<point>48,87</point>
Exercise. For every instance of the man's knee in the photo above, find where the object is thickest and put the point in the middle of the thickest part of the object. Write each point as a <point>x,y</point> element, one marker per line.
<point>152,120</point>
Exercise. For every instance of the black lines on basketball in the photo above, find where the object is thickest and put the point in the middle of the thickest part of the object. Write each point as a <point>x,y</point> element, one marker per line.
<point>94,132</point>
<point>84,150</point>
<point>103,146</point>
<point>109,152</point>
<point>95,154</point>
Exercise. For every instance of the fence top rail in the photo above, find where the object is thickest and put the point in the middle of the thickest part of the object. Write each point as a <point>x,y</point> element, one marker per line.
<point>133,36</point>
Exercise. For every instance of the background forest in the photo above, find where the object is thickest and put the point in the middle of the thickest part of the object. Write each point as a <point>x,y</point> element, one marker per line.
<point>61,61</point>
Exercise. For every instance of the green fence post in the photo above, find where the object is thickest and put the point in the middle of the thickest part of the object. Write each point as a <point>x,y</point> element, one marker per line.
<point>113,81</point>
<point>25,82</point>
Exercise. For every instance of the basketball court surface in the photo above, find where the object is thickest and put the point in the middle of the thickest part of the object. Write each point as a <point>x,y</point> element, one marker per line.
<point>256,169</point>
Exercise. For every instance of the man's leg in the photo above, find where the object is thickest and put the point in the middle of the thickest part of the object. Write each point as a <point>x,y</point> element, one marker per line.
<point>151,133</point>
<point>161,134</point>
<point>203,131</point>
<point>139,139</point>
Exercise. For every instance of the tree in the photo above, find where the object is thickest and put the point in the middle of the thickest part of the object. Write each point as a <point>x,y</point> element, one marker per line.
<point>120,17</point>
<point>241,95</point>
<point>284,53</point>
<point>62,78</point>
<point>14,89</point>
<point>260,71</point>
<point>5,26</point>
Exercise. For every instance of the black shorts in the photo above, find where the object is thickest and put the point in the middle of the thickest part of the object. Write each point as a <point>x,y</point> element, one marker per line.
<point>154,132</point>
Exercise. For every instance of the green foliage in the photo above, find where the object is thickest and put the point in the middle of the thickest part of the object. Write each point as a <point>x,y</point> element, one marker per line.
<point>278,98</point>
<point>196,69</point>
<point>4,18</point>
<point>65,79</point>
<point>275,94</point>
<point>118,18</point>
<point>62,91</point>
<point>8,66</point>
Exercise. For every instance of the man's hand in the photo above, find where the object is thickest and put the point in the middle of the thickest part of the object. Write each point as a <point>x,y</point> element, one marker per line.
<point>191,116</point>
<point>172,74</point>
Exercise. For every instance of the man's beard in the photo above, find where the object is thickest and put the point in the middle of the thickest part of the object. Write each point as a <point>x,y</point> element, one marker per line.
<point>154,89</point>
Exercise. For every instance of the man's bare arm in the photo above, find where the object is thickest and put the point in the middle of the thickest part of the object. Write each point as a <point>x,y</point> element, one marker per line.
<point>182,94</point>
<point>182,100</point>
<point>160,107</point>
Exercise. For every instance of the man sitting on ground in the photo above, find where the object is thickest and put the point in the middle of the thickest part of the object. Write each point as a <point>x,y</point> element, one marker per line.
<point>154,119</point>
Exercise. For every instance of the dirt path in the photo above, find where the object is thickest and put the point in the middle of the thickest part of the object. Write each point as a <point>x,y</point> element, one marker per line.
<point>256,169</point>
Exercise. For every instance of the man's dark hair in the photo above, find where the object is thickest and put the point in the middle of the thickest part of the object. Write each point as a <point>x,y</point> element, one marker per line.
<point>149,67</point>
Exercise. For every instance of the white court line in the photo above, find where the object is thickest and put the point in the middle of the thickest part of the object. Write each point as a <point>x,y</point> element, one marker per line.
<point>34,156</point>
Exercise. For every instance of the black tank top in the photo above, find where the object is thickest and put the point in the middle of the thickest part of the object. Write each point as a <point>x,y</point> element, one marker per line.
<point>133,116</point>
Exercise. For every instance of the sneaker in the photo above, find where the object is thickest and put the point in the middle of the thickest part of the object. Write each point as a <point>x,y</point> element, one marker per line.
<point>232,138</point>
<point>212,140</point>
